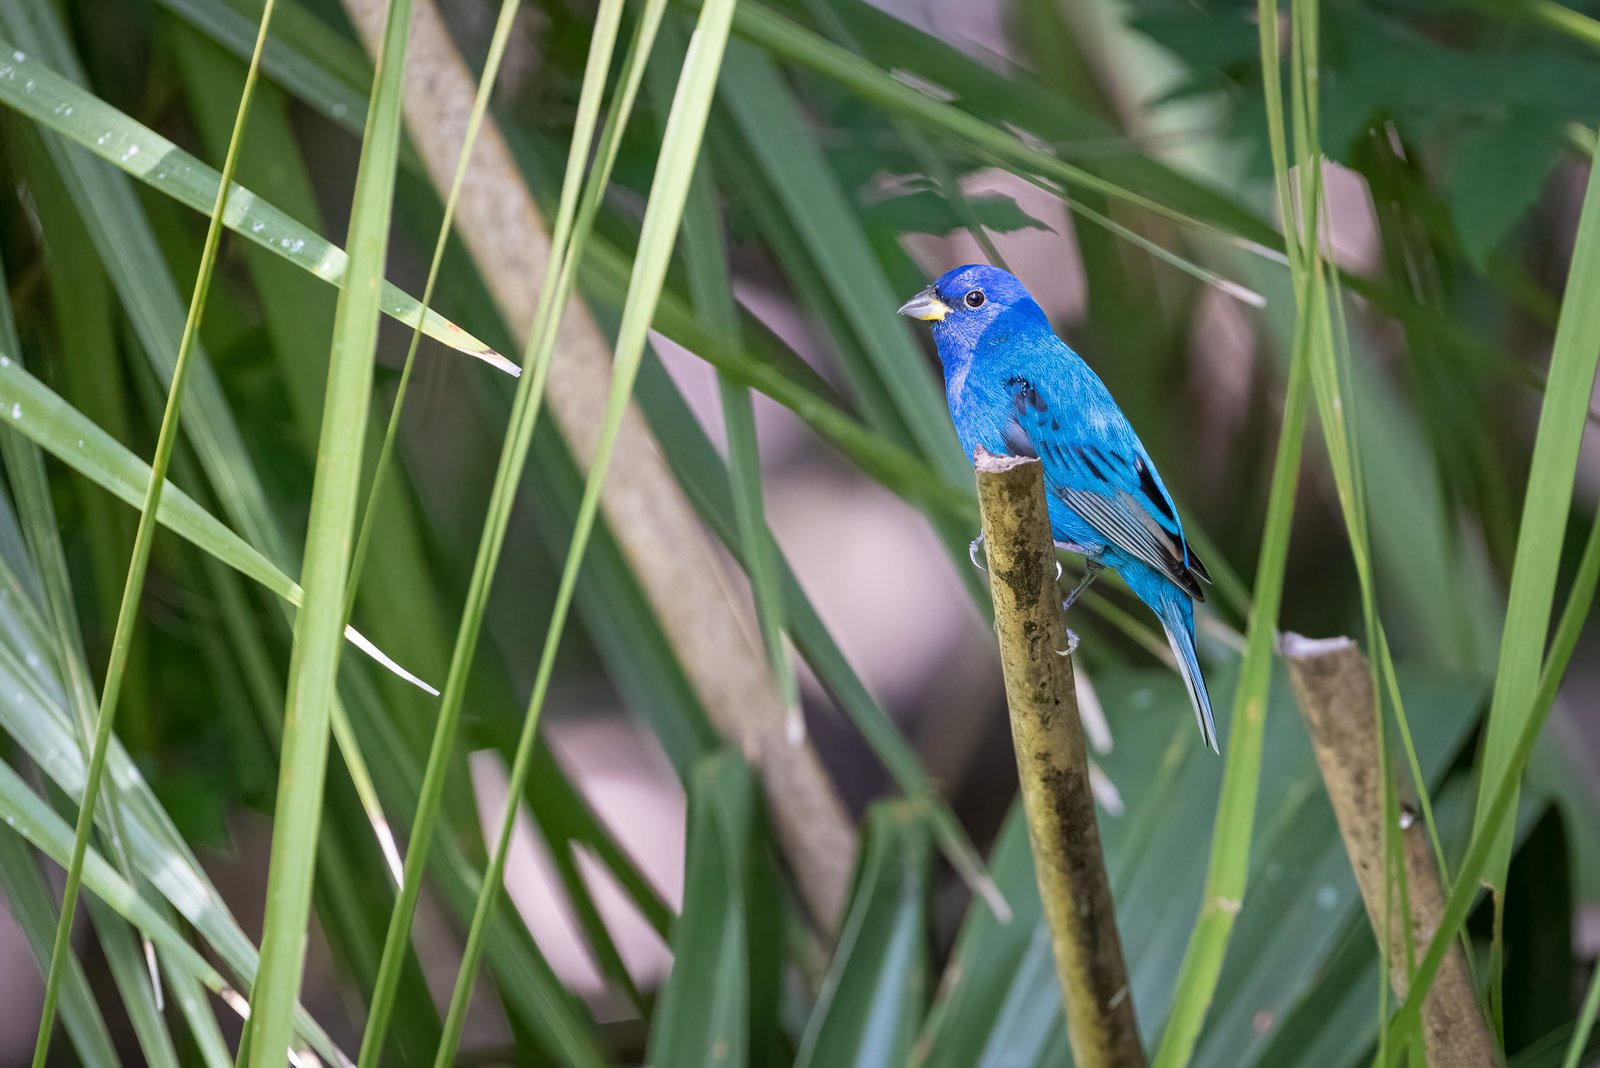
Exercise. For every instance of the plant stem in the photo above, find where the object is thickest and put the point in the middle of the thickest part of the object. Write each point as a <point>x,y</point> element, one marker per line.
<point>1333,684</point>
<point>1052,764</point>
<point>138,567</point>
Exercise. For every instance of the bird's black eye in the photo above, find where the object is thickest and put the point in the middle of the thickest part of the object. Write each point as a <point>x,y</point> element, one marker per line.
<point>975,298</point>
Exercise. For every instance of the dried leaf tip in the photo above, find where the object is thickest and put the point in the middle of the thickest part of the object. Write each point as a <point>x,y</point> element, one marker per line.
<point>499,362</point>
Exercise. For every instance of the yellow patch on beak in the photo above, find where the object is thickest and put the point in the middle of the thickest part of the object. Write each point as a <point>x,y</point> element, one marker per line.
<point>925,306</point>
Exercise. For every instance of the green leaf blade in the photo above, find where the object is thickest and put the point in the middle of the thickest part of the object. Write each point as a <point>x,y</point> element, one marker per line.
<point>314,656</point>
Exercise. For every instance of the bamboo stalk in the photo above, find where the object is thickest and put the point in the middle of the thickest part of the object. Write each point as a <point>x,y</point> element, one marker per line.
<point>1052,764</point>
<point>1333,686</point>
<point>646,511</point>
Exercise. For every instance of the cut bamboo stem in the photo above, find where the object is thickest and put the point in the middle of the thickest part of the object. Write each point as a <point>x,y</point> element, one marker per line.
<point>1052,764</point>
<point>1333,685</point>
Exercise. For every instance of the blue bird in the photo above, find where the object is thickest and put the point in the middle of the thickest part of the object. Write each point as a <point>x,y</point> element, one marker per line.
<point>1016,389</point>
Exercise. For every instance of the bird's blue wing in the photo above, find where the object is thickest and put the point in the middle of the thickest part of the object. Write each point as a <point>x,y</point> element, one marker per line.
<point>1104,475</point>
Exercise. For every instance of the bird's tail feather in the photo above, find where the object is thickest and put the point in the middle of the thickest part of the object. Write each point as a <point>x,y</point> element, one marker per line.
<point>1180,635</point>
<point>1176,611</point>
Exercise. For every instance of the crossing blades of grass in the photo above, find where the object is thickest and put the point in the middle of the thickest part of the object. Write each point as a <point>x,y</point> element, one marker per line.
<point>194,1004</point>
<point>333,73</point>
<point>297,314</point>
<point>675,166</point>
<point>1230,844</point>
<point>314,657</point>
<point>1562,421</point>
<point>789,40</point>
<point>1577,344</point>
<point>486,82</point>
<point>519,434</point>
<point>709,283</point>
<point>128,613</point>
<point>57,104</point>
<point>28,903</point>
<point>703,474</point>
<point>774,133</point>
<point>127,966</point>
<point>872,999</point>
<point>40,725</point>
<point>134,259</point>
<point>604,272</point>
<point>1580,601</point>
<point>59,429</point>
<point>30,817</point>
<point>30,484</point>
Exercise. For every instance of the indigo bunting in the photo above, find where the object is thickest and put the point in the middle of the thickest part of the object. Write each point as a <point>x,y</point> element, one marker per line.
<point>1017,390</point>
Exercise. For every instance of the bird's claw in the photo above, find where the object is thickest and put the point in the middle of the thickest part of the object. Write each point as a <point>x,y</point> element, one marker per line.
<point>972,552</point>
<point>1072,643</point>
<point>1091,572</point>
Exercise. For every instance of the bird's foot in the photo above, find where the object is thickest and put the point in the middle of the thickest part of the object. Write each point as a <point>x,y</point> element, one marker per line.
<point>1072,643</point>
<point>972,552</point>
<point>1091,571</point>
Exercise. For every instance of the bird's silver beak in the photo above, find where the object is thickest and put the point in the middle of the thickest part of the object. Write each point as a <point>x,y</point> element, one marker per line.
<point>926,306</point>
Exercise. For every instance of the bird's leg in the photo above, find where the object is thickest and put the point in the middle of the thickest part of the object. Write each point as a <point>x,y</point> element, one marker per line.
<point>1091,571</point>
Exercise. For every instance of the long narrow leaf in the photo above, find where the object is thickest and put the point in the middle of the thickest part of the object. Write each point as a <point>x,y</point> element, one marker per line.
<point>36,718</point>
<point>1230,845</point>
<point>1586,1017</point>
<point>777,373</point>
<point>1577,340</point>
<point>519,432</point>
<point>56,104</point>
<point>59,429</point>
<point>25,468</point>
<point>144,540</point>
<point>710,282</point>
<point>1562,421</point>
<point>1464,891</point>
<point>314,658</point>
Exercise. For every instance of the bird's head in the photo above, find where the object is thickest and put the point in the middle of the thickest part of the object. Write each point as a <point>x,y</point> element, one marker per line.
<point>969,302</point>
